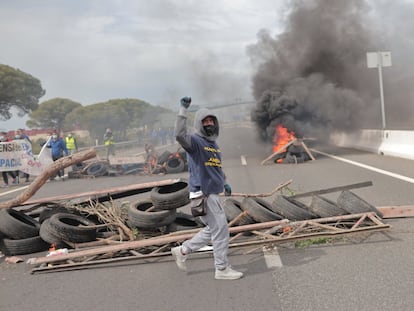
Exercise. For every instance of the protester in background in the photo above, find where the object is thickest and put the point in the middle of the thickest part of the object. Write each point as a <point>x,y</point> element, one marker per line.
<point>71,143</point>
<point>20,134</point>
<point>58,147</point>
<point>162,132</point>
<point>171,135</point>
<point>4,139</point>
<point>109,143</point>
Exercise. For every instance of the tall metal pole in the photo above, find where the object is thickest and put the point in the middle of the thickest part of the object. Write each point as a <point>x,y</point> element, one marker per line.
<point>381,89</point>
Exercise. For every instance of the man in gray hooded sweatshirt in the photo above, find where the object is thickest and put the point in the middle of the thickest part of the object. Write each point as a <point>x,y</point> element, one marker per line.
<point>206,179</point>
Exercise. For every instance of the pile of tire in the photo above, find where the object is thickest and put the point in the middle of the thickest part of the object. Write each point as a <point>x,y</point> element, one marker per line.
<point>21,233</point>
<point>173,162</point>
<point>285,207</point>
<point>159,211</point>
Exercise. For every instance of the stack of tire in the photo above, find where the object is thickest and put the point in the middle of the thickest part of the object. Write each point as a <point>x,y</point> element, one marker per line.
<point>173,162</point>
<point>284,207</point>
<point>19,233</point>
<point>159,211</point>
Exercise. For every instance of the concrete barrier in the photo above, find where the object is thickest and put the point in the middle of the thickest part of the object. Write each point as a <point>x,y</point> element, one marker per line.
<point>385,142</point>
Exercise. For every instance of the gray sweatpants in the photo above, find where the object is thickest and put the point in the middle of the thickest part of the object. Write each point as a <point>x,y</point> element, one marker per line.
<point>216,231</point>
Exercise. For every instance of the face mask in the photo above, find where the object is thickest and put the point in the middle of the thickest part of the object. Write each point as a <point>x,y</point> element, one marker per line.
<point>1,137</point>
<point>18,136</point>
<point>210,129</point>
<point>54,136</point>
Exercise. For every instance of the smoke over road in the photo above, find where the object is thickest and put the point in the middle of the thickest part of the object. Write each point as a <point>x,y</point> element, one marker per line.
<point>313,77</point>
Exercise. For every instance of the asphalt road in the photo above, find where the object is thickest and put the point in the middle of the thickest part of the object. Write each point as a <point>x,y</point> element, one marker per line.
<point>373,272</point>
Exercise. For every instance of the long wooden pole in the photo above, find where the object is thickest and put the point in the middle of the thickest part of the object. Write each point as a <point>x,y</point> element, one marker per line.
<point>146,242</point>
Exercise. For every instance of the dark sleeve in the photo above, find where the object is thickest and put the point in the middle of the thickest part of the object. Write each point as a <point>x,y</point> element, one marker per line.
<point>181,135</point>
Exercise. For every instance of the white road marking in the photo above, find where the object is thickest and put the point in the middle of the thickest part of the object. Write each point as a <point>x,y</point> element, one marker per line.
<point>14,190</point>
<point>368,167</point>
<point>271,257</point>
<point>243,160</point>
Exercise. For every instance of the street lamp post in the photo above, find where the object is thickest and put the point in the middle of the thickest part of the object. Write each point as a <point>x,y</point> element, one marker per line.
<point>379,60</point>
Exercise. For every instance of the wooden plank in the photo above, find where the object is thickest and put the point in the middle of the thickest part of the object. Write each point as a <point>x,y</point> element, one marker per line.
<point>397,211</point>
<point>307,151</point>
<point>334,189</point>
<point>108,191</point>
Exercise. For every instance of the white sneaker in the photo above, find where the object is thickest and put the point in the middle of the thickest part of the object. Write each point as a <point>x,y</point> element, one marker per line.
<point>228,274</point>
<point>179,258</point>
<point>57,178</point>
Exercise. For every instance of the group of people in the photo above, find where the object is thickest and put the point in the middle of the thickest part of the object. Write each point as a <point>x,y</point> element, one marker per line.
<point>15,175</point>
<point>59,147</point>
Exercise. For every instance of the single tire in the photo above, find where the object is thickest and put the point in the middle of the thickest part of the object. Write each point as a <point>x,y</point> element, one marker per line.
<point>170,196</point>
<point>138,216</point>
<point>48,235</point>
<point>50,210</point>
<point>353,204</point>
<point>23,246</point>
<point>259,209</point>
<point>68,227</point>
<point>291,209</point>
<point>175,165</point>
<point>184,221</point>
<point>232,209</point>
<point>97,169</point>
<point>325,208</point>
<point>17,225</point>
<point>163,157</point>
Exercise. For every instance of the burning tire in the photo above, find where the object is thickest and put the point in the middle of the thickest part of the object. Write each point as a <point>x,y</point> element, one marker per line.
<point>175,165</point>
<point>139,217</point>
<point>17,225</point>
<point>325,208</point>
<point>353,204</point>
<point>170,196</point>
<point>291,209</point>
<point>164,157</point>
<point>259,209</point>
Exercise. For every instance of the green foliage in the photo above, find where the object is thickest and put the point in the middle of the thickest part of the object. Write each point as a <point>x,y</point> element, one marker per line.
<point>19,90</point>
<point>117,114</point>
<point>52,113</point>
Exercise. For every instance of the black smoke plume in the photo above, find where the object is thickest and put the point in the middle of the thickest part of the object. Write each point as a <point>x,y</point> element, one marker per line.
<point>313,76</point>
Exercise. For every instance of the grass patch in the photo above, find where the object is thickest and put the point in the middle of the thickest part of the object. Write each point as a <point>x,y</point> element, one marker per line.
<point>313,241</point>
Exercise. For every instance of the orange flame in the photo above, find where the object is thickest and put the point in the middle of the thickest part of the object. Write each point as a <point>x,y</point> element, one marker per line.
<point>282,137</point>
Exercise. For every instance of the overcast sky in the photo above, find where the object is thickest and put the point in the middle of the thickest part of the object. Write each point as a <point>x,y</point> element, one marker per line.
<point>156,50</point>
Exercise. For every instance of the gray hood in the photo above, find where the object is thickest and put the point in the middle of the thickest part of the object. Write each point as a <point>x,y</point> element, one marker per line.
<point>198,126</point>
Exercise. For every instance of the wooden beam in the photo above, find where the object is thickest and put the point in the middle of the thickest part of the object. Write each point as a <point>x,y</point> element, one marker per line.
<point>334,189</point>
<point>397,211</point>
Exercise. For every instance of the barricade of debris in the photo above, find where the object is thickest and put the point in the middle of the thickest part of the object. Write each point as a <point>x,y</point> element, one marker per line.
<point>98,230</point>
<point>147,163</point>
